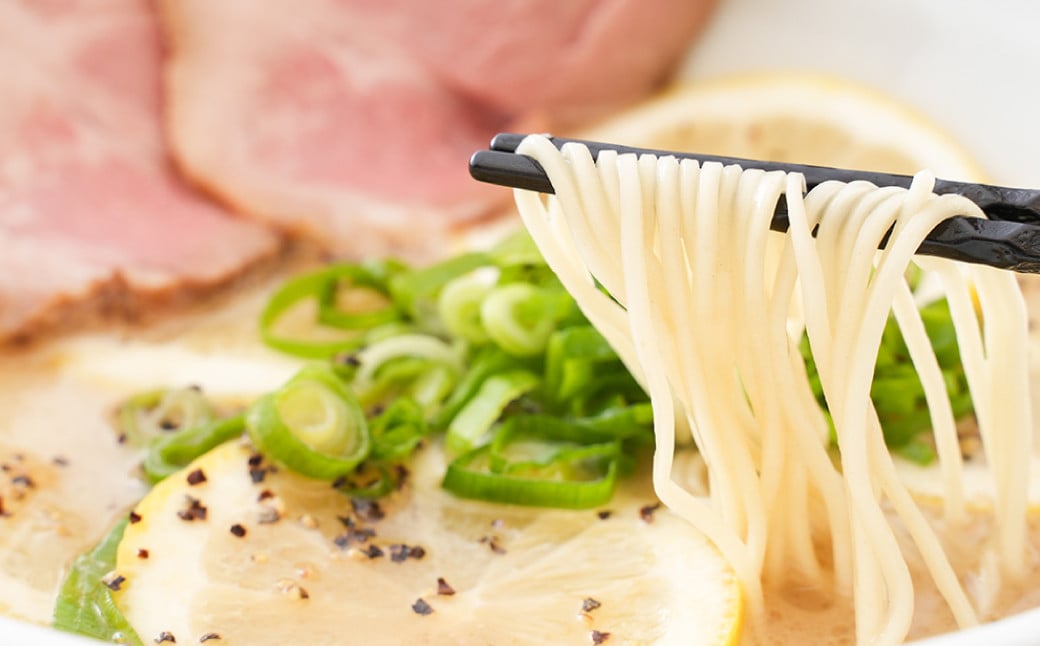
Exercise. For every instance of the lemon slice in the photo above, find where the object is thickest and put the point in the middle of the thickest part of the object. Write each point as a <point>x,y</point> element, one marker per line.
<point>798,118</point>
<point>275,562</point>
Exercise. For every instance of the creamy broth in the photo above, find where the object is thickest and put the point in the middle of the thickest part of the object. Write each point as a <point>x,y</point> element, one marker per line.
<point>55,432</point>
<point>795,614</point>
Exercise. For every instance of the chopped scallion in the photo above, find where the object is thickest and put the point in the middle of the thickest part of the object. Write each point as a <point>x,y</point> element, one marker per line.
<point>314,425</point>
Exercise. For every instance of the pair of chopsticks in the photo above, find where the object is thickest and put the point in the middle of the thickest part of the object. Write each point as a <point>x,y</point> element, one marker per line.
<point>1009,239</point>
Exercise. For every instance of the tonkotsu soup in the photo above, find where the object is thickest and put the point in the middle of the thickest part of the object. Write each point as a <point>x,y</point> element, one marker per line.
<point>777,429</point>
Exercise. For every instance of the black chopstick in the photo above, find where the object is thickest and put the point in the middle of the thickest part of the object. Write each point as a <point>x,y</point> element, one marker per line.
<point>1010,239</point>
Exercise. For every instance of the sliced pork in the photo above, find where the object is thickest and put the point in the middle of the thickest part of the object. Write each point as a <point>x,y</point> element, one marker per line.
<point>92,218</point>
<point>572,59</point>
<point>352,120</point>
<point>301,112</point>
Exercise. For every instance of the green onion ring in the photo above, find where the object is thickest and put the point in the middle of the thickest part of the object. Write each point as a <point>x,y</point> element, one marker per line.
<point>326,435</point>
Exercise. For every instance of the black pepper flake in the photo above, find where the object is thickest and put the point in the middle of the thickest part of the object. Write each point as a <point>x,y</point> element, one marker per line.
<point>402,474</point>
<point>599,637</point>
<point>420,607</point>
<point>167,424</point>
<point>194,511</point>
<point>165,636</point>
<point>372,551</point>
<point>353,536</point>
<point>116,582</point>
<point>399,552</point>
<point>646,512</point>
<point>60,460</point>
<point>134,517</point>
<point>443,588</point>
<point>605,514</point>
<point>266,494</point>
<point>207,637</point>
<point>257,470</point>
<point>367,509</point>
<point>142,553</point>
<point>349,360</point>
<point>238,530</point>
<point>196,477</point>
<point>3,513</point>
<point>492,543</point>
<point>23,481</point>
<point>590,604</point>
<point>121,438</point>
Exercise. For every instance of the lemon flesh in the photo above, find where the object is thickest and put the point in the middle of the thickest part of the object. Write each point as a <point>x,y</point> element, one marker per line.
<point>520,576</point>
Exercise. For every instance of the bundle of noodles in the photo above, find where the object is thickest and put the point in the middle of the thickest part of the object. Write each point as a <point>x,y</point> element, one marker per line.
<point>707,308</point>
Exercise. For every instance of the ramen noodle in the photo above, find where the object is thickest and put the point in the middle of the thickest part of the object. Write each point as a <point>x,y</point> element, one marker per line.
<point>674,263</point>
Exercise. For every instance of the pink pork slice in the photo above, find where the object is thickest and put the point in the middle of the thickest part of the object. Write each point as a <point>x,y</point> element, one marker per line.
<point>574,59</point>
<point>303,113</point>
<point>352,120</point>
<point>92,218</point>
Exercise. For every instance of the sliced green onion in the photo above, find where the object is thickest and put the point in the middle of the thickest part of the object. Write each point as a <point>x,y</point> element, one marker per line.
<point>314,425</point>
<point>486,362</point>
<point>519,261</point>
<point>85,605</point>
<point>292,293</point>
<point>460,347</point>
<point>459,308</point>
<point>372,277</point>
<point>130,412</point>
<point>393,379</point>
<point>623,422</point>
<point>398,430</point>
<point>517,249</point>
<point>520,317</point>
<point>611,388</point>
<point>416,292</point>
<point>171,453</point>
<point>431,388</point>
<point>323,286</point>
<point>422,346</point>
<point>471,476</point>
<point>473,422</point>
<point>156,413</point>
<point>537,439</point>
<point>573,357</point>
